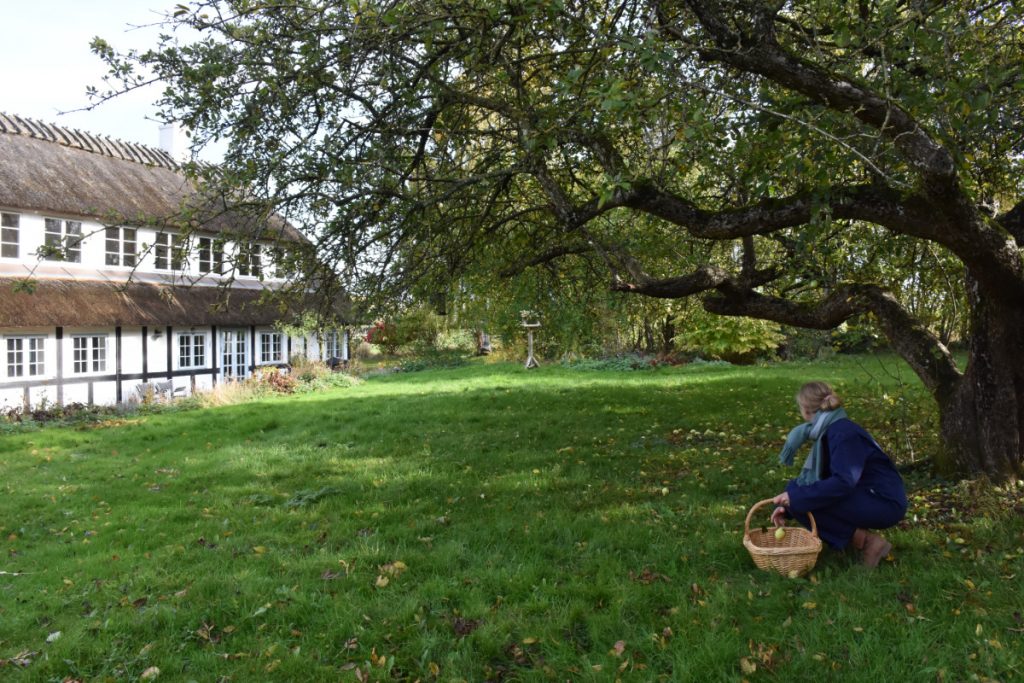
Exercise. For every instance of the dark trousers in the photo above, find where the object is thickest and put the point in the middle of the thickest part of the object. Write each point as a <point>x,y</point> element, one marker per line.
<point>862,509</point>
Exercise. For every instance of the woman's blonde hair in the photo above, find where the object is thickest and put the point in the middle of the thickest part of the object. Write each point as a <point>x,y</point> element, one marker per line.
<point>815,396</point>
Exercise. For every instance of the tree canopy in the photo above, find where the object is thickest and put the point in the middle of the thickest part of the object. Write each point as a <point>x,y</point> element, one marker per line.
<point>799,162</point>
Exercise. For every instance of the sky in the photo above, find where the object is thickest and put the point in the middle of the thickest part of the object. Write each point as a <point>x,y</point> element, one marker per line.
<point>46,65</point>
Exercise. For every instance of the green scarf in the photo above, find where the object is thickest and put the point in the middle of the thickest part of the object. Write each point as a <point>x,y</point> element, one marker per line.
<point>809,431</point>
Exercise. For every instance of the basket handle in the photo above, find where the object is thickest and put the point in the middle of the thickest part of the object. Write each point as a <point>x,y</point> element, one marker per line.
<point>769,501</point>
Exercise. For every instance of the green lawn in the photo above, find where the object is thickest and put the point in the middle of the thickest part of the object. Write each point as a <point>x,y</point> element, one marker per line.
<point>488,523</point>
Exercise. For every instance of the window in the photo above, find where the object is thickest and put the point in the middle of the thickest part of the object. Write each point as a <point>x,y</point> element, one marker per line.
<point>249,261</point>
<point>25,356</point>
<point>121,247</point>
<point>191,350</point>
<point>90,353</point>
<point>332,348</point>
<point>211,255</point>
<point>234,357</point>
<point>9,234</point>
<point>168,252</point>
<point>270,347</point>
<point>63,240</point>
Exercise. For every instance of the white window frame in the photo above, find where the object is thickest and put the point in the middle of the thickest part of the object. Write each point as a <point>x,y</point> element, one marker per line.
<point>332,345</point>
<point>27,353</point>
<point>190,343</point>
<point>89,354</point>
<point>271,347</point>
<point>167,248</point>
<point>67,238</point>
<point>234,354</point>
<point>211,255</point>
<point>250,260</point>
<point>122,246</point>
<point>10,234</point>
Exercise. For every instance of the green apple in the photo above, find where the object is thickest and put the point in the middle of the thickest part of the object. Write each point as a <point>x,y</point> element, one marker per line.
<point>780,533</point>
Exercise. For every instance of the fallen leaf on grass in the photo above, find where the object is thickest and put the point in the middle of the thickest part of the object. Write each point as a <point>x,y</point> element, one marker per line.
<point>747,666</point>
<point>393,568</point>
<point>22,659</point>
<point>648,577</point>
<point>618,648</point>
<point>53,636</point>
<point>463,627</point>
<point>150,673</point>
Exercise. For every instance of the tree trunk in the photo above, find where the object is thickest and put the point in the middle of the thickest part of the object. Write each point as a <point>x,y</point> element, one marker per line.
<point>668,334</point>
<point>982,420</point>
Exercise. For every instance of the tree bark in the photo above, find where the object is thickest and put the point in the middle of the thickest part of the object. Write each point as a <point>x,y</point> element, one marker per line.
<point>982,418</point>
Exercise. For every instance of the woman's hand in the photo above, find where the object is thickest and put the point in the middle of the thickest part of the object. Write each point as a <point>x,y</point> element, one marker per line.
<point>779,514</point>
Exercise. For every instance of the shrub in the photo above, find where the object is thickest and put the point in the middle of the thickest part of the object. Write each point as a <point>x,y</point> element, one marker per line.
<point>305,370</point>
<point>385,335</point>
<point>734,339</point>
<point>274,380</point>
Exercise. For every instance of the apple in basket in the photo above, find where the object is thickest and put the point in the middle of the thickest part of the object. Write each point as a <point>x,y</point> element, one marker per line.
<point>780,533</point>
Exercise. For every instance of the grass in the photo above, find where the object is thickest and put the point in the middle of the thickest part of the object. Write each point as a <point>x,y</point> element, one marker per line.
<point>487,523</point>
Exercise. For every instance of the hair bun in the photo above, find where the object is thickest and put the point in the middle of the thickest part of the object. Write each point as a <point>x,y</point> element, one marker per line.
<point>830,402</point>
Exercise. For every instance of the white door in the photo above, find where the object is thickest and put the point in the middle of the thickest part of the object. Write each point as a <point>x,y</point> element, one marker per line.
<point>234,355</point>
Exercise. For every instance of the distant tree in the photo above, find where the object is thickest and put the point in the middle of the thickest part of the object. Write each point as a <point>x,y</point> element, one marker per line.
<point>799,162</point>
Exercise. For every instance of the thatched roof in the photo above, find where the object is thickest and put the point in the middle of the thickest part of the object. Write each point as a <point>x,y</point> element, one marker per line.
<point>78,303</point>
<point>51,169</point>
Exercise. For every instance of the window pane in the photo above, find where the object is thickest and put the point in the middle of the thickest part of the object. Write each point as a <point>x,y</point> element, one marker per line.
<point>9,236</point>
<point>177,253</point>
<point>35,356</point>
<point>15,367</point>
<point>81,354</point>
<point>205,251</point>
<point>183,351</point>
<point>53,240</point>
<point>74,241</point>
<point>199,347</point>
<point>113,244</point>
<point>129,247</point>
<point>161,251</point>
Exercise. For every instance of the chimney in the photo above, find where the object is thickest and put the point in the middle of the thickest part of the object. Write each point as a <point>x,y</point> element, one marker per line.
<point>173,140</point>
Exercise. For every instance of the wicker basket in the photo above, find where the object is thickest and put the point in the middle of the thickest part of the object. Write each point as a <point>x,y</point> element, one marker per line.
<point>794,555</point>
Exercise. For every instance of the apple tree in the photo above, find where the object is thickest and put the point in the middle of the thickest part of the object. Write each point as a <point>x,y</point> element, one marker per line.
<point>778,160</point>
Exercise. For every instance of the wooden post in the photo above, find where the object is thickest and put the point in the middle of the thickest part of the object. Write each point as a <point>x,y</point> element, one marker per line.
<point>531,361</point>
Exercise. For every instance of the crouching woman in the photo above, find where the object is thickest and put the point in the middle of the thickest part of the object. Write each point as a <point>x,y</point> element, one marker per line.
<point>848,482</point>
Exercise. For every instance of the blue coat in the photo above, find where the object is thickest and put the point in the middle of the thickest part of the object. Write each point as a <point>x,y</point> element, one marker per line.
<point>855,467</point>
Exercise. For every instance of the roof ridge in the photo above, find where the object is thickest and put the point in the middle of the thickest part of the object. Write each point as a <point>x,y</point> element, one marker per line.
<point>89,142</point>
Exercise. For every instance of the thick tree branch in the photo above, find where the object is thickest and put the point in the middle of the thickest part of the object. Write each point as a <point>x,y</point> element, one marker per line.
<point>546,257</point>
<point>928,357</point>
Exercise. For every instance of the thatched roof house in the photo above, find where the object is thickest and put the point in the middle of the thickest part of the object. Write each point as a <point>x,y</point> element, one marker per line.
<point>116,270</point>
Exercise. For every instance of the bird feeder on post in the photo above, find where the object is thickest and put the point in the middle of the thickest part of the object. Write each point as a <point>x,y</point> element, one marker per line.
<point>531,361</point>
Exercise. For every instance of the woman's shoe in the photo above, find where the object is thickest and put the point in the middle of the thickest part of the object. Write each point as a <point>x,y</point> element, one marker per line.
<point>874,549</point>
